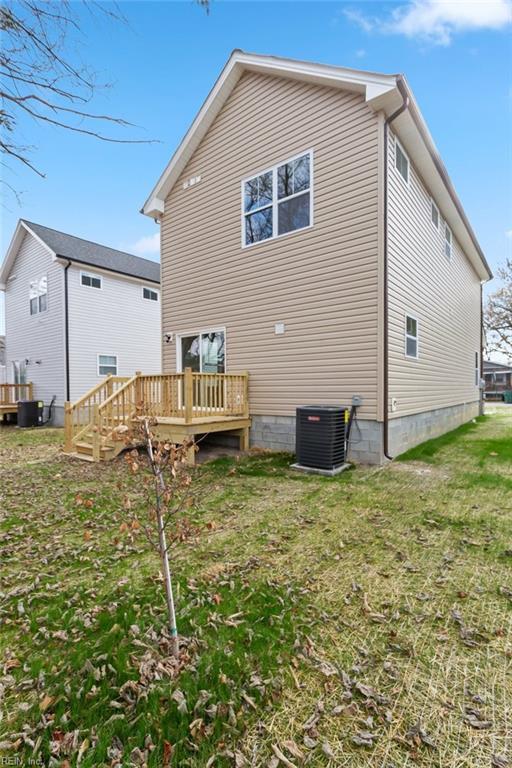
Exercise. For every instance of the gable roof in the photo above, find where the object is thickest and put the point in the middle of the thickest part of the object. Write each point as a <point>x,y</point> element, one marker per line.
<point>76,249</point>
<point>381,92</point>
<point>489,366</point>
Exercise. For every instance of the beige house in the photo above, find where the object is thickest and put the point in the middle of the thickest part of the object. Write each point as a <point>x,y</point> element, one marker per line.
<point>311,236</point>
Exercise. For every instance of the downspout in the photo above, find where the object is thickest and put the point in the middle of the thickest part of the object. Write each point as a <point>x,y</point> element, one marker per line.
<point>66,327</point>
<point>387,123</point>
<point>481,371</point>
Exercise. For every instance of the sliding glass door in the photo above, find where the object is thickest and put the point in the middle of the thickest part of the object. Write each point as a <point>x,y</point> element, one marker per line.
<point>203,352</point>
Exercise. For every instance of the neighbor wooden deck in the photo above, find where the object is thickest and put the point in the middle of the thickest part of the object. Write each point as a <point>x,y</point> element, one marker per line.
<point>10,394</point>
<point>180,406</point>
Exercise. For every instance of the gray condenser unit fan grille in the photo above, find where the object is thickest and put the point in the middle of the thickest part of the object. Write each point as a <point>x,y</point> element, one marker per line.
<point>320,436</point>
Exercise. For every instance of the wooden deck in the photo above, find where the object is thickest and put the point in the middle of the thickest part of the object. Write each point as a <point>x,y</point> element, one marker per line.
<point>180,405</point>
<point>11,393</point>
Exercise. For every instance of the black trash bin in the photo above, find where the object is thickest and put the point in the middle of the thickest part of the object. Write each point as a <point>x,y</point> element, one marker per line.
<point>30,413</point>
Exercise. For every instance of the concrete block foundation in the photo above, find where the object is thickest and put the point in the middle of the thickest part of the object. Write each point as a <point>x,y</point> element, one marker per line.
<point>277,433</point>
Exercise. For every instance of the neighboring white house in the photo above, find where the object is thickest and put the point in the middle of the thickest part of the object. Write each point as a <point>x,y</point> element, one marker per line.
<point>76,311</point>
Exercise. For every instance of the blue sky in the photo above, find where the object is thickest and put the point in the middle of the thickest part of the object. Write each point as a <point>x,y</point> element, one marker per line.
<point>456,56</point>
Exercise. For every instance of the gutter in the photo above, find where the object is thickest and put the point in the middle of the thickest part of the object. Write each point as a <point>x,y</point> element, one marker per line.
<point>108,269</point>
<point>66,327</point>
<point>387,123</point>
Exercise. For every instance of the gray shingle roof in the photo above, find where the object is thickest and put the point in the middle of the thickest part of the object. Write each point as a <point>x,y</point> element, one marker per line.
<point>95,255</point>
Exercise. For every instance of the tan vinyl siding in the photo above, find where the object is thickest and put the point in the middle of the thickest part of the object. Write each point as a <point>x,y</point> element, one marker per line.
<point>443,295</point>
<point>322,283</point>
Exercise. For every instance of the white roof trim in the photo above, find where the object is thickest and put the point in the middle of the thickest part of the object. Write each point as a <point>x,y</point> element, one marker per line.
<point>369,83</point>
<point>381,92</point>
<point>10,257</point>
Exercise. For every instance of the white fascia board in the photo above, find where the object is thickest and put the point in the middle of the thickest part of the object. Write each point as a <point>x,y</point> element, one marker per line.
<point>371,84</point>
<point>10,257</point>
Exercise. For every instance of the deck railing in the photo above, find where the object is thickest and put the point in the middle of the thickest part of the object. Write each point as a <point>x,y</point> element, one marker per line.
<point>11,393</point>
<point>186,396</point>
<point>79,416</point>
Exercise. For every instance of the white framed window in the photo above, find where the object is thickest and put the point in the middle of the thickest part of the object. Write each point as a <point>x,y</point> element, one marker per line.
<point>38,295</point>
<point>278,201</point>
<point>19,371</point>
<point>107,364</point>
<point>411,336</point>
<point>149,294</point>
<point>434,214</point>
<point>499,378</point>
<point>204,351</point>
<point>90,280</point>
<point>447,242</point>
<point>477,369</point>
<point>401,161</point>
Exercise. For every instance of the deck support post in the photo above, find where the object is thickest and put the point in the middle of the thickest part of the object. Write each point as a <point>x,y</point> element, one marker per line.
<point>96,436</point>
<point>244,439</point>
<point>68,427</point>
<point>191,453</point>
<point>188,394</point>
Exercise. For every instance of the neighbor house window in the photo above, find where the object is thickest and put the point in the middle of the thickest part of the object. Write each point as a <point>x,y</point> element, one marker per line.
<point>107,364</point>
<point>278,200</point>
<point>148,293</point>
<point>19,371</point>
<point>411,336</point>
<point>38,295</point>
<point>447,242</point>
<point>91,281</point>
<point>401,162</point>
<point>435,214</point>
<point>477,369</point>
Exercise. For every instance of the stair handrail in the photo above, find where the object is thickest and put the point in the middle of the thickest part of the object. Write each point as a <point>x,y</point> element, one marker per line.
<point>72,435</point>
<point>110,401</point>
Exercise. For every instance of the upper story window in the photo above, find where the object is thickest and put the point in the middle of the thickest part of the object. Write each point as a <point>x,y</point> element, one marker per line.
<point>477,369</point>
<point>107,364</point>
<point>447,241</point>
<point>148,293</point>
<point>401,162</point>
<point>38,295</point>
<point>411,336</point>
<point>435,214</point>
<point>278,201</point>
<point>90,280</point>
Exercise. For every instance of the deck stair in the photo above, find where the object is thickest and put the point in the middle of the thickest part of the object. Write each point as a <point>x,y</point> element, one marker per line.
<point>180,406</point>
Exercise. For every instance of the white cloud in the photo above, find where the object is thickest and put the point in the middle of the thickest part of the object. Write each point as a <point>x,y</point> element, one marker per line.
<point>144,246</point>
<point>360,53</point>
<point>508,234</point>
<point>438,20</point>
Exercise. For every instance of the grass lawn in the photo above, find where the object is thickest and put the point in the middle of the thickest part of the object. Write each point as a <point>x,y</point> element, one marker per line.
<point>357,621</point>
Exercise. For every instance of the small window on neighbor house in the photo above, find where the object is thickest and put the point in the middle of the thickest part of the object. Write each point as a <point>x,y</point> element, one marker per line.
<point>91,281</point>
<point>447,242</point>
<point>148,293</point>
<point>435,215</point>
<point>411,336</point>
<point>401,162</point>
<point>107,364</point>
<point>19,371</point>
<point>38,295</point>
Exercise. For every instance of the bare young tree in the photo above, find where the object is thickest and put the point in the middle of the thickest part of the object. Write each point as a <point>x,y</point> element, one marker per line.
<point>168,483</point>
<point>498,314</point>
